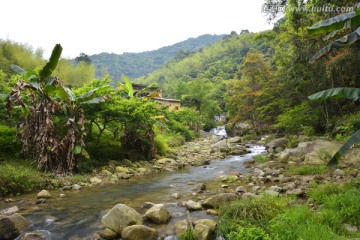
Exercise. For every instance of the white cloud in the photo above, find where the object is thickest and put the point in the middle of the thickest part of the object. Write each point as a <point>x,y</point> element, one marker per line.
<point>94,26</point>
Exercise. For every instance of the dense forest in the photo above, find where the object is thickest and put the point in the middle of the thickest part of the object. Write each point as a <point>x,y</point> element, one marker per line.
<point>265,78</point>
<point>135,65</point>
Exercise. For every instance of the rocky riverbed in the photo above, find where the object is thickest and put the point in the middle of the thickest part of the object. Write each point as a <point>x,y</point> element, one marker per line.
<point>167,219</point>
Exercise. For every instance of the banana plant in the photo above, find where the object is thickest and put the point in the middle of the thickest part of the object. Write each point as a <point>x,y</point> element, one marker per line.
<point>41,96</point>
<point>127,87</point>
<point>334,26</point>
<point>349,93</point>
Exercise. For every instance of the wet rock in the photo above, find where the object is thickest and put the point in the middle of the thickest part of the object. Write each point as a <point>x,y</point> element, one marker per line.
<point>158,214</point>
<point>191,205</point>
<point>219,199</point>
<point>9,211</point>
<point>11,226</point>
<point>66,188</point>
<point>181,227</point>
<point>148,205</point>
<point>121,216</point>
<point>207,222</point>
<point>202,232</point>
<point>62,195</point>
<point>37,235</point>
<point>107,233</point>
<point>176,195</point>
<point>139,232</point>
<point>44,194</point>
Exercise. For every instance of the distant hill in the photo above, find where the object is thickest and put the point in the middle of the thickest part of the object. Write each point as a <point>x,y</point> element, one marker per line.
<point>135,65</point>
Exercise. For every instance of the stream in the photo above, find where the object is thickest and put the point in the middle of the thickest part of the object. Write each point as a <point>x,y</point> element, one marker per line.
<point>78,216</point>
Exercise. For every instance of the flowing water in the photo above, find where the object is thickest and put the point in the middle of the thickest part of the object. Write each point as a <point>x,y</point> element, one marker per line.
<point>78,216</point>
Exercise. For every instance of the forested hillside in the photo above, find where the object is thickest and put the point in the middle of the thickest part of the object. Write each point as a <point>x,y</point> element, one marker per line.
<point>264,79</point>
<point>138,64</point>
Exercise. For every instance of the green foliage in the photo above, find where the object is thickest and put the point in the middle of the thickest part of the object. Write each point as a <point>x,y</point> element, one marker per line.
<point>343,200</point>
<point>309,170</point>
<point>140,64</point>
<point>188,235</point>
<point>9,145</point>
<point>253,211</point>
<point>298,119</point>
<point>261,158</point>
<point>248,233</point>
<point>19,177</point>
<point>300,223</point>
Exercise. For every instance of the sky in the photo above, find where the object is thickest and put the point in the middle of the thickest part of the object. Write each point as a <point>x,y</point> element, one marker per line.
<point>117,26</point>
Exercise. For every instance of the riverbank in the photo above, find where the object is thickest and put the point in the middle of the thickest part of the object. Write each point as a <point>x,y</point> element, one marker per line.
<point>285,177</point>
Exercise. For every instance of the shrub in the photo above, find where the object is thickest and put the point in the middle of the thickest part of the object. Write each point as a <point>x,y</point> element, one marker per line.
<point>8,143</point>
<point>261,158</point>
<point>20,177</point>
<point>248,233</point>
<point>309,170</point>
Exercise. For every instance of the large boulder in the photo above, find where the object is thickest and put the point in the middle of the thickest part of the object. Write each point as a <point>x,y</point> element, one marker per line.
<point>207,222</point>
<point>44,194</point>
<point>11,226</point>
<point>235,140</point>
<point>202,232</point>
<point>37,235</point>
<point>121,216</point>
<point>191,205</point>
<point>219,199</point>
<point>320,151</point>
<point>221,146</point>
<point>278,143</point>
<point>158,214</point>
<point>139,232</point>
<point>181,227</point>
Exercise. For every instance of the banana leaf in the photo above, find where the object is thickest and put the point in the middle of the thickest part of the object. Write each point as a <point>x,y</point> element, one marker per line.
<point>345,92</point>
<point>53,61</point>
<point>335,23</point>
<point>354,139</point>
<point>345,41</point>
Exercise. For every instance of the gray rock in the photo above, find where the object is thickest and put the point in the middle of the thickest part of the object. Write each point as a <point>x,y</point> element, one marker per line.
<point>339,172</point>
<point>37,235</point>
<point>148,205</point>
<point>202,232</point>
<point>191,205</point>
<point>248,195</point>
<point>176,195</point>
<point>107,233</point>
<point>297,192</point>
<point>201,186</point>
<point>44,194</point>
<point>207,222</point>
<point>40,200</point>
<point>275,188</point>
<point>222,146</point>
<point>76,187</point>
<point>139,232</point>
<point>9,211</point>
<point>235,140</point>
<point>280,142</point>
<point>158,214</point>
<point>11,226</point>
<point>272,193</point>
<point>240,189</point>
<point>181,227</point>
<point>121,216</point>
<point>219,199</point>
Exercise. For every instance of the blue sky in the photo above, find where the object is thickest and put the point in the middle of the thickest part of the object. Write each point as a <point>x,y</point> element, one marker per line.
<point>93,26</point>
